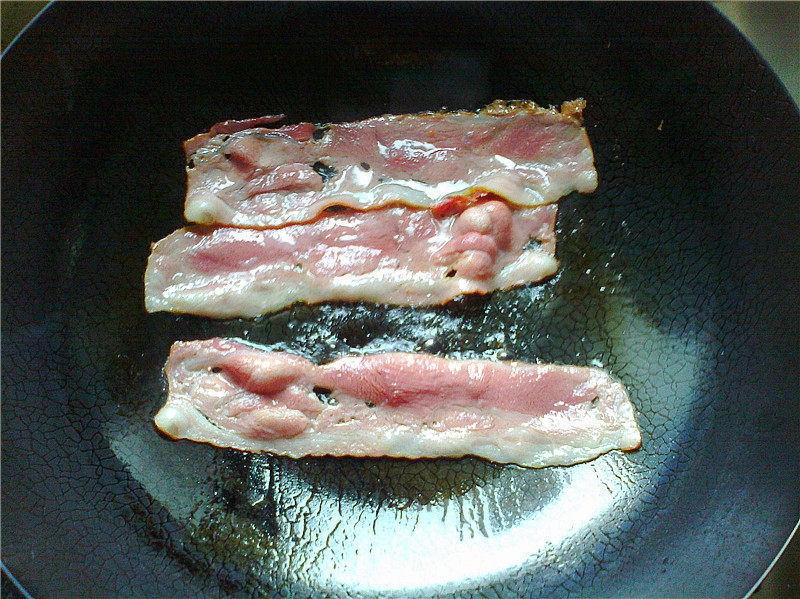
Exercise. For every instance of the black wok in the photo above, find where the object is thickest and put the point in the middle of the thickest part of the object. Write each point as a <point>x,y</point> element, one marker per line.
<point>679,276</point>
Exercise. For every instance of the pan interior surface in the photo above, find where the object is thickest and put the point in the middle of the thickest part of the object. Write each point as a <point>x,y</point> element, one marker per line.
<point>678,276</point>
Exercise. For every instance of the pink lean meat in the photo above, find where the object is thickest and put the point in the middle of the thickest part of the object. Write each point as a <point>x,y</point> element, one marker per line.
<point>244,174</point>
<point>395,255</point>
<point>228,394</point>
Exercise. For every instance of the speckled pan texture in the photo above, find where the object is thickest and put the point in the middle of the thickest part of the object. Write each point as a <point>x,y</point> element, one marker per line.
<point>679,276</point>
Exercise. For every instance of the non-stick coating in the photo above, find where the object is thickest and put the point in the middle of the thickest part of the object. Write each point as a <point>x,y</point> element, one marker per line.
<point>679,276</point>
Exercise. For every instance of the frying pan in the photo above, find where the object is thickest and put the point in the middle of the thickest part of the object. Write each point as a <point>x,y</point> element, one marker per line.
<point>679,276</point>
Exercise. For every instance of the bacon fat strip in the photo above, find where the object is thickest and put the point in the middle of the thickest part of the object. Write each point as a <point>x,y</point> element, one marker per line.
<point>245,174</point>
<point>229,394</point>
<point>395,255</point>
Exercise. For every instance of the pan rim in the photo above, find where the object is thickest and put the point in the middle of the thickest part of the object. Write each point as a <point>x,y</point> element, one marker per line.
<point>14,581</point>
<point>772,564</point>
<point>25,29</point>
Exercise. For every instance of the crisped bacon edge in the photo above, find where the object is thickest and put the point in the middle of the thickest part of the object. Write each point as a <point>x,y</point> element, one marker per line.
<point>572,110</point>
<point>190,146</point>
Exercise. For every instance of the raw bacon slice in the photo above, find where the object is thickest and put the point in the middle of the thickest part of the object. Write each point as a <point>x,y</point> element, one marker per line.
<point>244,174</point>
<point>395,255</point>
<point>228,394</point>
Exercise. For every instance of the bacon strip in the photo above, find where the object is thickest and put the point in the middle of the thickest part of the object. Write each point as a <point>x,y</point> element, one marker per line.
<point>228,394</point>
<point>395,255</point>
<point>243,174</point>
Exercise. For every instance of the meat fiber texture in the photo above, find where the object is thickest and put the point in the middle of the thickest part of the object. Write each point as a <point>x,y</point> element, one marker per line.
<point>229,394</point>
<point>245,174</point>
<point>396,255</point>
<point>409,210</point>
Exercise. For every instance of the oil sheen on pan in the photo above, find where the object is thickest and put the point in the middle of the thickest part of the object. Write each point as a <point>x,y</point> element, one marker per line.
<point>229,394</point>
